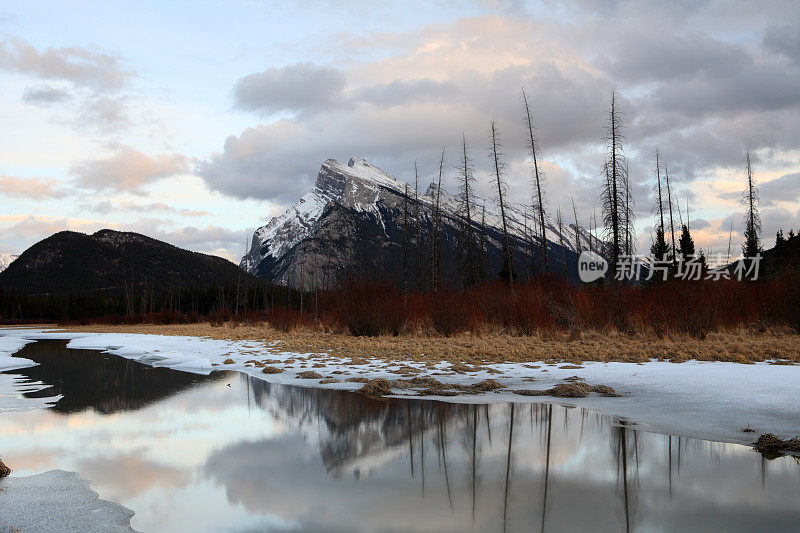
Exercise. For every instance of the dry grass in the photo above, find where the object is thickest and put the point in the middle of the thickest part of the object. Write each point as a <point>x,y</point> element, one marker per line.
<point>309,374</point>
<point>741,346</point>
<point>573,389</point>
<point>772,447</point>
<point>375,388</point>
<point>4,470</point>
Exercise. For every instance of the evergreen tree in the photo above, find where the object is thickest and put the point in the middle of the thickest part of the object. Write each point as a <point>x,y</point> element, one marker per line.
<point>659,248</point>
<point>686,244</point>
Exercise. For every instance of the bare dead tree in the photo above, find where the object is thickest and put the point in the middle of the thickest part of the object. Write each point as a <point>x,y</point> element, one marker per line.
<point>437,228</point>
<point>467,234</point>
<point>577,233</point>
<point>671,218</point>
<point>528,243</point>
<point>752,229</point>
<point>630,215</point>
<point>561,242</point>
<point>405,243</point>
<point>508,268</point>
<point>483,266</point>
<point>730,241</point>
<point>660,205</point>
<point>615,170</point>
<point>417,225</point>
<point>538,178</point>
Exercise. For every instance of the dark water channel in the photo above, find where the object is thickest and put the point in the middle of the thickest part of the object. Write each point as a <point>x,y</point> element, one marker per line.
<point>227,452</point>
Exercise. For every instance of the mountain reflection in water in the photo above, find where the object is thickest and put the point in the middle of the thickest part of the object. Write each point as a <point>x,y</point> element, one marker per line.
<point>229,452</point>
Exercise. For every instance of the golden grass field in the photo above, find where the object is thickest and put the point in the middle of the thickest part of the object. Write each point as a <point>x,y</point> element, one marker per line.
<point>743,346</point>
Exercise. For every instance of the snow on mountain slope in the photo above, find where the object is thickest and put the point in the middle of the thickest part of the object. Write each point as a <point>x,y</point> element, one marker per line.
<point>6,259</point>
<point>361,187</point>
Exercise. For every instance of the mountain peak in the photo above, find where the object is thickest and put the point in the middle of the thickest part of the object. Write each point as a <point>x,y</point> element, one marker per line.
<point>357,161</point>
<point>358,168</point>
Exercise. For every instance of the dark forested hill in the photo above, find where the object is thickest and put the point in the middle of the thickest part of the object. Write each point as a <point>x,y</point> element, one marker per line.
<point>111,262</point>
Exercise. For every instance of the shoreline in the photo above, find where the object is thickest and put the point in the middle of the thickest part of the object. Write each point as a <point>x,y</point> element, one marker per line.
<point>739,346</point>
<point>708,400</point>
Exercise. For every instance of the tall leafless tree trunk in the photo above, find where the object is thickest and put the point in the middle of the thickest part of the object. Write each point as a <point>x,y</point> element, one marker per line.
<point>528,245</point>
<point>538,178</point>
<point>484,265</point>
<point>630,215</point>
<point>660,206</point>
<point>405,244</point>
<point>752,244</point>
<point>437,228</point>
<point>418,226</point>
<point>613,198</point>
<point>508,266</point>
<point>577,232</point>
<point>468,264</point>
<point>669,203</point>
<point>561,243</point>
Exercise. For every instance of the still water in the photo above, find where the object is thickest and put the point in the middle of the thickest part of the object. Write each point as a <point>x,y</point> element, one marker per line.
<point>227,452</point>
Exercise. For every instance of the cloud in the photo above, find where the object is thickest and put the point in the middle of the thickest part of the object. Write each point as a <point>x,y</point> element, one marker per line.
<point>128,170</point>
<point>279,160</point>
<point>783,189</point>
<point>296,87</point>
<point>104,113</point>
<point>402,92</point>
<point>17,232</point>
<point>107,206</point>
<point>784,40</point>
<point>84,67</point>
<point>93,102</point>
<point>662,55</point>
<point>36,188</point>
<point>45,95</point>
<point>210,239</point>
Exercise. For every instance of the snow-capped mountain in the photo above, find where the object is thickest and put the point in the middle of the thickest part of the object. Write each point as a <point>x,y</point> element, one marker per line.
<point>5,260</point>
<point>352,221</point>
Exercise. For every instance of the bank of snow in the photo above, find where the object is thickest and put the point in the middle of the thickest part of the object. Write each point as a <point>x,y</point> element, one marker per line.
<point>710,400</point>
<point>58,501</point>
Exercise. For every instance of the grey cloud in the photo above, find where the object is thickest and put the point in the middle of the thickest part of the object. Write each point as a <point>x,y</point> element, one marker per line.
<point>128,170</point>
<point>784,40</point>
<point>775,218</point>
<point>658,55</point>
<point>757,87</point>
<point>85,67</point>
<point>783,189</point>
<point>401,92</point>
<point>296,87</point>
<point>45,94</point>
<point>279,161</point>
<point>210,239</point>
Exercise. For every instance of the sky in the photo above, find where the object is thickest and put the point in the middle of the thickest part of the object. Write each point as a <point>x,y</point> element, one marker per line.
<point>195,122</point>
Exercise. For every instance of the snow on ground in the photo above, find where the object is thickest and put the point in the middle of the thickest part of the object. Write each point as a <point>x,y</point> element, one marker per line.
<point>710,400</point>
<point>58,501</point>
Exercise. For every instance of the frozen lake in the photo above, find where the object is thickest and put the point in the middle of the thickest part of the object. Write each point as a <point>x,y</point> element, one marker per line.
<point>222,452</point>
